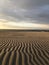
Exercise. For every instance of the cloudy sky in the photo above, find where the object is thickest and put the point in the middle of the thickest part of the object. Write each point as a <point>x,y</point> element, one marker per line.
<point>24,14</point>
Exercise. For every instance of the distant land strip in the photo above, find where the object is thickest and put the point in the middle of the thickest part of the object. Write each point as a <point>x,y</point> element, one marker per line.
<point>24,30</point>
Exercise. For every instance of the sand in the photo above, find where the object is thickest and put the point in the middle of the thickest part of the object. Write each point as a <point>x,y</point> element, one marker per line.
<point>24,48</point>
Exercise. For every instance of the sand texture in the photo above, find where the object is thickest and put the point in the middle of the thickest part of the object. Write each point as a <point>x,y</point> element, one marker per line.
<point>24,48</point>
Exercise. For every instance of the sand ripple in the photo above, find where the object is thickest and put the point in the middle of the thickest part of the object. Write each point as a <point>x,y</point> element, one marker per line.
<point>34,52</point>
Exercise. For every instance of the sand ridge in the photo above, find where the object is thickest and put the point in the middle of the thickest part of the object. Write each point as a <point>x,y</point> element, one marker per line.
<point>24,50</point>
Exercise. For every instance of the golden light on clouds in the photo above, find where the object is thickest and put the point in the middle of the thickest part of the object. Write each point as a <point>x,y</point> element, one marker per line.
<point>5,24</point>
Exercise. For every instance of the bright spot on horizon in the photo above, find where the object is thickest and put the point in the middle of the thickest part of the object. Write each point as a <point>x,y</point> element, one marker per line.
<point>5,24</point>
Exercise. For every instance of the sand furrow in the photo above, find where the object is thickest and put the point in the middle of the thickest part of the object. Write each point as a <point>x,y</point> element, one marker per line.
<point>32,55</point>
<point>17,55</point>
<point>28,56</point>
<point>12,58</point>
<point>5,59</point>
<point>38,58</point>
<point>22,54</point>
<point>41,57</point>
<point>25,59</point>
<point>25,51</point>
<point>2,56</point>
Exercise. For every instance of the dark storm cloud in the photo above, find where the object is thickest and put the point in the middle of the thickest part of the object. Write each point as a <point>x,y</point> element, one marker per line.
<point>29,3</point>
<point>26,10</point>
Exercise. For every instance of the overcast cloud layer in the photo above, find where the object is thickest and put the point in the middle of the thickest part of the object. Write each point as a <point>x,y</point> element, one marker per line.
<point>32,11</point>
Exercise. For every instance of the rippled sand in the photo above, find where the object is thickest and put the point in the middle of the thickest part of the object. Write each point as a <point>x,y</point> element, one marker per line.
<point>24,48</point>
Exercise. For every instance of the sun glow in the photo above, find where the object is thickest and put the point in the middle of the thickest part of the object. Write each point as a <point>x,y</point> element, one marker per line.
<point>5,24</point>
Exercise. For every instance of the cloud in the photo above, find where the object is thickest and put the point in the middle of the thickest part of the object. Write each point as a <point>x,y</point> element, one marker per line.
<point>28,4</point>
<point>21,25</point>
<point>29,11</point>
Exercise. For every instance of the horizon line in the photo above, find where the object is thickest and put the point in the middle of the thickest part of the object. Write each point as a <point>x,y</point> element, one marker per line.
<point>46,30</point>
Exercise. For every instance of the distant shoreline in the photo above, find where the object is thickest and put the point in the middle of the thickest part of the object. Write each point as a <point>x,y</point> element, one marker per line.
<point>24,30</point>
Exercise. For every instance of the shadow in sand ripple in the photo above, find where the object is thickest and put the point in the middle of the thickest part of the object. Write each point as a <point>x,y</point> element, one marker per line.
<point>25,51</point>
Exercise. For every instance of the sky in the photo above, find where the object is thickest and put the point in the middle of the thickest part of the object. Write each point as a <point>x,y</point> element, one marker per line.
<point>24,14</point>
